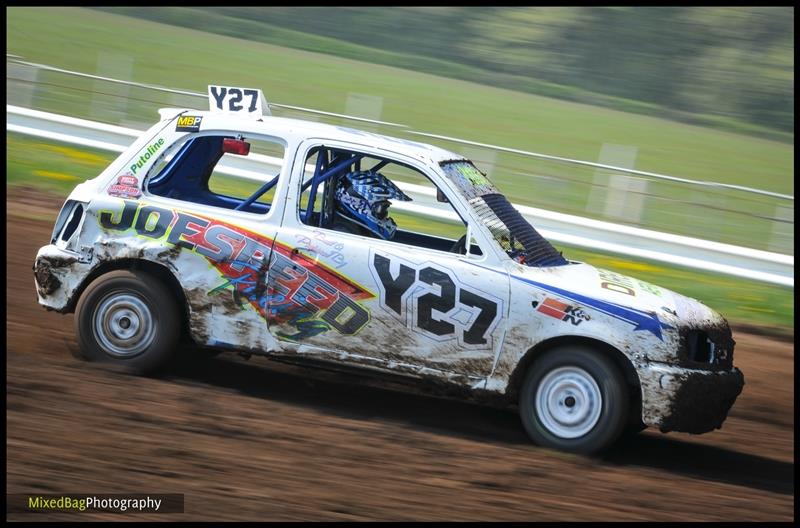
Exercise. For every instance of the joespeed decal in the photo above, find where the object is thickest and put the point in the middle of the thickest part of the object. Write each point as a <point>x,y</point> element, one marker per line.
<point>430,300</point>
<point>298,296</point>
<point>301,292</point>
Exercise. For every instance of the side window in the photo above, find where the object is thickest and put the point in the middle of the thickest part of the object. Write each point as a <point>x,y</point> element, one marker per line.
<point>366,195</point>
<point>226,171</point>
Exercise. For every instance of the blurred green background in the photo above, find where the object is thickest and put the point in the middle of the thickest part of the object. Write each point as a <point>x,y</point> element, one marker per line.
<point>623,86</point>
<point>725,67</point>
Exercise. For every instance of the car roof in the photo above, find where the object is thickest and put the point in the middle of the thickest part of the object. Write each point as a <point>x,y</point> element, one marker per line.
<point>311,129</point>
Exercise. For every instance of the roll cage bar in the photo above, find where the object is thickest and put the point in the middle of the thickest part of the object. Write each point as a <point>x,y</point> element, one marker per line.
<point>204,152</point>
<point>331,165</point>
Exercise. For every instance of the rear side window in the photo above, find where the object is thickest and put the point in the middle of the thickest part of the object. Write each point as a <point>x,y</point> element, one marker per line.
<point>232,172</point>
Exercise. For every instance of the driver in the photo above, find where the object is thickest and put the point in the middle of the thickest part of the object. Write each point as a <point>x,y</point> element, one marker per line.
<point>362,200</point>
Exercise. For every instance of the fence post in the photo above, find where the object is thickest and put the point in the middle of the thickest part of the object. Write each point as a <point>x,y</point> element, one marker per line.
<point>782,240</point>
<point>366,106</point>
<point>21,84</point>
<point>110,100</point>
<point>615,195</point>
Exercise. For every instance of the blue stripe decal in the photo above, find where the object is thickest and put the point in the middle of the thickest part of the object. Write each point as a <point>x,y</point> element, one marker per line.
<point>642,320</point>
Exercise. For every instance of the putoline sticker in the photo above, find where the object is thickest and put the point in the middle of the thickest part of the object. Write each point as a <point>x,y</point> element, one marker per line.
<point>237,100</point>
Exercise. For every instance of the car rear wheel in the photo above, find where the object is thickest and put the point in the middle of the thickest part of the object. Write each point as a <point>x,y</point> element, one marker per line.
<point>128,318</point>
<point>574,399</point>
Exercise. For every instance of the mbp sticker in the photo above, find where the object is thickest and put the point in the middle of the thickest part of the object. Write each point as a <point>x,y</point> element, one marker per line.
<point>188,123</point>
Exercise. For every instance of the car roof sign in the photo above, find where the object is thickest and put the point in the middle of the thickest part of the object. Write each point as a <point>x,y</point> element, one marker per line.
<point>233,99</point>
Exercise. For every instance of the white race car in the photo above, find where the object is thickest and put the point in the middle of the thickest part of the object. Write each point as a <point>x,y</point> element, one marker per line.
<point>242,231</point>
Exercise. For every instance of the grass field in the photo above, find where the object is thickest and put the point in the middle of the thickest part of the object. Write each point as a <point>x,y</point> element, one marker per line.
<point>181,58</point>
<point>57,168</point>
<point>223,23</point>
<point>86,40</point>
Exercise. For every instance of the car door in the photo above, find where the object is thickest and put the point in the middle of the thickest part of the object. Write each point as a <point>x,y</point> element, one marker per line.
<point>392,304</point>
<point>213,213</point>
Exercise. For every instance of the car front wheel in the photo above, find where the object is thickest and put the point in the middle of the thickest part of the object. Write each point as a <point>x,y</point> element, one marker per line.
<point>128,318</point>
<point>574,399</point>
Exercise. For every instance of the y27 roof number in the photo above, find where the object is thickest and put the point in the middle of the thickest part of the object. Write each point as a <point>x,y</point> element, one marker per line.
<point>233,99</point>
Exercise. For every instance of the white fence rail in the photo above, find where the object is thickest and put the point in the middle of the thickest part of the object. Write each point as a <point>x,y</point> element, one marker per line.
<point>653,175</point>
<point>695,253</point>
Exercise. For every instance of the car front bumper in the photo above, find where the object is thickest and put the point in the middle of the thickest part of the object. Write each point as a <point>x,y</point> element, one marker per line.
<point>687,400</point>
<point>57,275</point>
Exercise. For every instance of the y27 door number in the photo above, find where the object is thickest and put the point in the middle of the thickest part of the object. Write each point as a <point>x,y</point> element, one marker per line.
<point>397,296</point>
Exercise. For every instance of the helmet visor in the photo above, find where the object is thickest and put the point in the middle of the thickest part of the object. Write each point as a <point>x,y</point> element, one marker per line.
<point>380,210</point>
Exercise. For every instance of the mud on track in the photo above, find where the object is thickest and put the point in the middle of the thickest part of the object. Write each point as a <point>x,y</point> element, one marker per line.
<point>259,440</point>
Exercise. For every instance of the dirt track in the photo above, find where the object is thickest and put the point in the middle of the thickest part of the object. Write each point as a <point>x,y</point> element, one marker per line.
<point>258,440</point>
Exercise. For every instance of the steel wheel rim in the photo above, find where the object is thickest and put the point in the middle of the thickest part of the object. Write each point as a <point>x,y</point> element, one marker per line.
<point>124,325</point>
<point>568,402</point>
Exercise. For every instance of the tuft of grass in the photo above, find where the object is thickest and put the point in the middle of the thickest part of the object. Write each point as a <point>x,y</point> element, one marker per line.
<point>49,166</point>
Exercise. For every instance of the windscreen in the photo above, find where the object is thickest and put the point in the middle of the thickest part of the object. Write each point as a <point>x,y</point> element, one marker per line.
<point>509,228</point>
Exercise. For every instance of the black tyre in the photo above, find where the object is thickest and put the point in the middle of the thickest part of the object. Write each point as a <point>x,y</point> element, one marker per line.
<point>633,429</point>
<point>128,318</point>
<point>574,399</point>
<point>194,352</point>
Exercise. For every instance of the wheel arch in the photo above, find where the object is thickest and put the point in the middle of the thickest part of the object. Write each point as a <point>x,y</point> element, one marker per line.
<point>159,271</point>
<point>619,359</point>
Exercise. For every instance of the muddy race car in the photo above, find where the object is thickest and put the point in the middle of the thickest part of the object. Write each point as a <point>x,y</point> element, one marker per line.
<point>241,231</point>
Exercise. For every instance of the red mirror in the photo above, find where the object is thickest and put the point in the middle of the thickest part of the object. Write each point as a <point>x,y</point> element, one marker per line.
<point>235,146</point>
